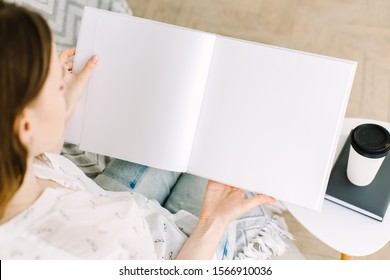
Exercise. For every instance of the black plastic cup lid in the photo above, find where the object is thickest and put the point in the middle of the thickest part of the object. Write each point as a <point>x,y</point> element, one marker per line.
<point>371,140</point>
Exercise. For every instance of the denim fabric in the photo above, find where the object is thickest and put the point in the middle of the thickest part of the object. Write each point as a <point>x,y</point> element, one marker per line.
<point>153,183</point>
<point>187,194</point>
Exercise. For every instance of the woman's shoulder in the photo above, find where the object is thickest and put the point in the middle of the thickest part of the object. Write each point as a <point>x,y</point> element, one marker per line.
<point>63,171</point>
<point>58,161</point>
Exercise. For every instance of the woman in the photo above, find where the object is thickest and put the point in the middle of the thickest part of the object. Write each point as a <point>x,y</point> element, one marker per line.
<point>48,207</point>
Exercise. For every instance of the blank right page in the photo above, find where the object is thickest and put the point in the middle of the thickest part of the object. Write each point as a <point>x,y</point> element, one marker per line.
<point>271,119</point>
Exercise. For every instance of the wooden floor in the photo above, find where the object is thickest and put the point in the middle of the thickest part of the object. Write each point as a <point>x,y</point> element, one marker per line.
<point>357,30</point>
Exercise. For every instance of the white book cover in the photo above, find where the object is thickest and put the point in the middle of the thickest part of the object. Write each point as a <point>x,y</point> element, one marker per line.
<point>255,116</point>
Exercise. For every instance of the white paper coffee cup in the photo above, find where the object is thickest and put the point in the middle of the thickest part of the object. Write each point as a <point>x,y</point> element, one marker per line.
<point>370,144</point>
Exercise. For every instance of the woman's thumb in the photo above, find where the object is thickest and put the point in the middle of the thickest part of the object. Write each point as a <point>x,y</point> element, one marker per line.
<point>89,67</point>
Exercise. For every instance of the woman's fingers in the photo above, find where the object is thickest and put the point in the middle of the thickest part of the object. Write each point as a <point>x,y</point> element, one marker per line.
<point>69,65</point>
<point>64,55</point>
<point>258,200</point>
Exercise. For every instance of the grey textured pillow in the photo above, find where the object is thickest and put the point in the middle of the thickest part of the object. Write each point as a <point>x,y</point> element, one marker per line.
<point>64,16</point>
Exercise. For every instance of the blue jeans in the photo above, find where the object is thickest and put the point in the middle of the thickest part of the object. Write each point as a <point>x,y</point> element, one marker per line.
<point>121,175</point>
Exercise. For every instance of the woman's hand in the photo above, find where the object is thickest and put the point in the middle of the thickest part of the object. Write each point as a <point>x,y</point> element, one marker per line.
<point>75,82</point>
<point>223,203</point>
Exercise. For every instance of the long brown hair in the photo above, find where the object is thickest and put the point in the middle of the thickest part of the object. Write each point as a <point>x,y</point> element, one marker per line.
<point>25,51</point>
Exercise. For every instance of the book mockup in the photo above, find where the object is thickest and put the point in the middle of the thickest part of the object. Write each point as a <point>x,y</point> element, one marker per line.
<point>258,117</point>
<point>372,200</point>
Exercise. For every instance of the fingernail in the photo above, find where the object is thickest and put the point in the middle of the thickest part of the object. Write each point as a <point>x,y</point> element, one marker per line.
<point>95,59</point>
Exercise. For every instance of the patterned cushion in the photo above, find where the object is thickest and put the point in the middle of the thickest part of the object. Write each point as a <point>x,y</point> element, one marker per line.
<point>64,16</point>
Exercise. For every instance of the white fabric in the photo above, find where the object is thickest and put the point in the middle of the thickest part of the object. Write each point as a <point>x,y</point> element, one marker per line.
<point>84,221</point>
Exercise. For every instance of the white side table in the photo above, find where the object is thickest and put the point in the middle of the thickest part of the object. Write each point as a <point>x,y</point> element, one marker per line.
<point>348,232</point>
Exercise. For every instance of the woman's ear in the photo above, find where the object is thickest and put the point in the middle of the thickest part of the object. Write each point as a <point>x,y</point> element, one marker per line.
<point>24,128</point>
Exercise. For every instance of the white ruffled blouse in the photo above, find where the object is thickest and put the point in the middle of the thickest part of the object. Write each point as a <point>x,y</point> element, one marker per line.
<point>83,221</point>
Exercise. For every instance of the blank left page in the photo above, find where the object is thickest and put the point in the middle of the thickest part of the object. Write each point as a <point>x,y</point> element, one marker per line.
<point>144,97</point>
